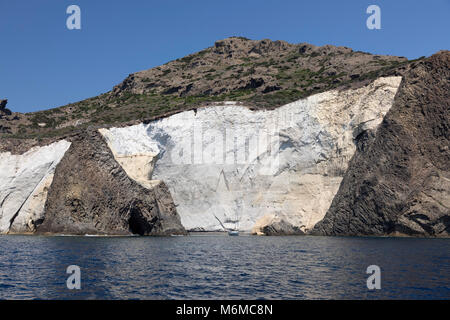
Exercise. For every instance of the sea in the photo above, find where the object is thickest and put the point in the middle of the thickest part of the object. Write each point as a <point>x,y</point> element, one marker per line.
<point>220,267</point>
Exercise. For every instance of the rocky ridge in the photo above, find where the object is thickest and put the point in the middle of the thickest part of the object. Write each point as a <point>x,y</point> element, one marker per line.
<point>260,74</point>
<point>88,175</point>
<point>400,185</point>
<point>92,194</point>
<point>286,162</point>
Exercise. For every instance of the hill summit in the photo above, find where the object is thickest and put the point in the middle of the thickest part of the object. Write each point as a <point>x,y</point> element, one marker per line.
<point>257,73</point>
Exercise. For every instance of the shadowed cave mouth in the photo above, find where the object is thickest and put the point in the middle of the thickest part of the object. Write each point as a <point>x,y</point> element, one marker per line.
<point>138,224</point>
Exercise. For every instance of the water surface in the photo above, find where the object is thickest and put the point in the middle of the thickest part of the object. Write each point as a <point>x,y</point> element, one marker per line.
<point>223,267</point>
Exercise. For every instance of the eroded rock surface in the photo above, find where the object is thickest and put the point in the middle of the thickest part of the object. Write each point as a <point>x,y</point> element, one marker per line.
<point>271,225</point>
<point>230,161</point>
<point>401,183</point>
<point>92,194</point>
<point>262,74</point>
<point>24,181</point>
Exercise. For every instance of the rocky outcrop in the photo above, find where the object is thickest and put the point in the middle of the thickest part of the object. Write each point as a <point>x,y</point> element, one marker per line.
<point>92,194</point>
<point>261,74</point>
<point>260,66</point>
<point>3,109</point>
<point>271,225</point>
<point>400,185</point>
<point>227,161</point>
<point>4,112</point>
<point>260,132</point>
<point>24,182</point>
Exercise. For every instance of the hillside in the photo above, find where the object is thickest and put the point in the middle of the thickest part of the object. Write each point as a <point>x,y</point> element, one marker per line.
<point>275,137</point>
<point>258,73</point>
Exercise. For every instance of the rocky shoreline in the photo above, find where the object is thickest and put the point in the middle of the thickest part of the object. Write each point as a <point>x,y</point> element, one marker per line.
<point>372,160</point>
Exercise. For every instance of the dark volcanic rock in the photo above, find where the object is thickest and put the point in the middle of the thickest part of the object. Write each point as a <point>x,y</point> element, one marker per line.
<point>277,227</point>
<point>260,74</point>
<point>92,194</point>
<point>3,109</point>
<point>399,183</point>
<point>4,129</point>
<point>281,228</point>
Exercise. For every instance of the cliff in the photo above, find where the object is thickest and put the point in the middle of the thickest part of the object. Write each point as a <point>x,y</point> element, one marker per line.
<point>230,162</point>
<point>261,74</point>
<point>24,183</point>
<point>400,185</point>
<point>274,137</point>
<point>77,187</point>
<point>92,194</point>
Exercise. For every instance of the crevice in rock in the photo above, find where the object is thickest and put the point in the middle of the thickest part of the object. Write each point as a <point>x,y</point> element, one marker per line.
<point>138,224</point>
<point>11,221</point>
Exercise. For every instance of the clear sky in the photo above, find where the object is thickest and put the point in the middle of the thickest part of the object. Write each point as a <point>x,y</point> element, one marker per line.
<point>45,65</point>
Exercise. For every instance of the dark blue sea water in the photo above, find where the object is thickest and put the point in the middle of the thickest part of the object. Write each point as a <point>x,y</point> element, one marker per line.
<point>223,267</point>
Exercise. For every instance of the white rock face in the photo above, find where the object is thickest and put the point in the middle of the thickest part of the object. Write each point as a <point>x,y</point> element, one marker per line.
<point>24,181</point>
<point>235,164</point>
<point>137,159</point>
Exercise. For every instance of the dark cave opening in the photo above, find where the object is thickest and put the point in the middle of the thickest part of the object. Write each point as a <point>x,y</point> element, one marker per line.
<point>138,224</point>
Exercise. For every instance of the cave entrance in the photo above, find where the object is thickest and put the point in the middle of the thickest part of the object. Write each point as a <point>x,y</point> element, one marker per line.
<point>138,224</point>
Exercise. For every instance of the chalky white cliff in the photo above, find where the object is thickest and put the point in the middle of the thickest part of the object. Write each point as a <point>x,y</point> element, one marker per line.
<point>24,181</point>
<point>228,163</point>
<point>223,162</point>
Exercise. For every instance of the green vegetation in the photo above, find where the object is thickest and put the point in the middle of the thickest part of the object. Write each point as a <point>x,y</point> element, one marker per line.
<point>281,77</point>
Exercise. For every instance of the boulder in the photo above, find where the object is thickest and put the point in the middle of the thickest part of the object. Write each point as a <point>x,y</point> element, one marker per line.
<point>272,225</point>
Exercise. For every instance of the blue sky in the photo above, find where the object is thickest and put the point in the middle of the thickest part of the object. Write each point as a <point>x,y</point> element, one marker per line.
<point>45,65</point>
